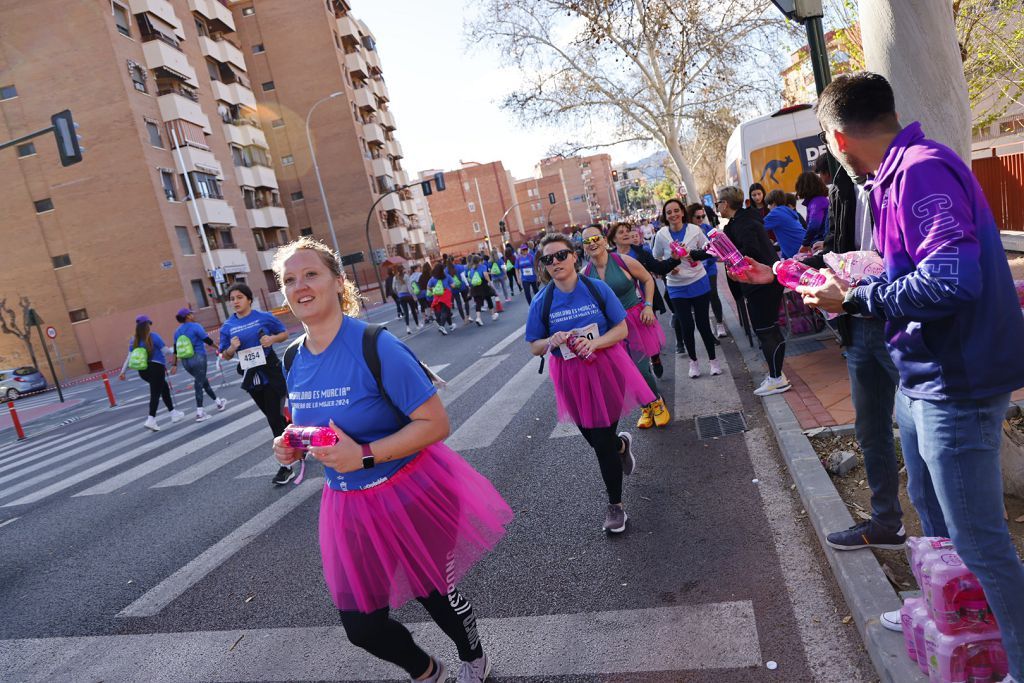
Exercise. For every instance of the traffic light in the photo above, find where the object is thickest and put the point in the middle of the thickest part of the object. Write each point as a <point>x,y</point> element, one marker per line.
<point>439,181</point>
<point>426,188</point>
<point>615,176</point>
<point>65,130</point>
<point>501,226</point>
<point>551,197</point>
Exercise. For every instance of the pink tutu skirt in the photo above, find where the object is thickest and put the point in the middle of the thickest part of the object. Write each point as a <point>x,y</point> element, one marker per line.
<point>648,339</point>
<point>598,394</point>
<point>418,532</point>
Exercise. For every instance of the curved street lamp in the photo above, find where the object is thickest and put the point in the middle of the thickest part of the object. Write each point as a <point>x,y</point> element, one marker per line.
<point>316,169</point>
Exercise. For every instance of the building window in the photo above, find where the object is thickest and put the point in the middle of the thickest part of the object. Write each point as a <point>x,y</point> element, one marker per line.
<point>261,243</point>
<point>268,86</point>
<point>138,75</point>
<point>287,160</point>
<point>78,315</point>
<point>44,205</point>
<point>153,129</point>
<point>199,292</point>
<point>471,206</point>
<point>248,11</point>
<point>26,150</point>
<point>465,187</point>
<point>226,239</point>
<point>277,123</point>
<point>306,232</point>
<point>205,185</point>
<point>476,227</point>
<point>297,196</point>
<point>1012,127</point>
<point>184,241</point>
<point>62,261</point>
<point>258,49</point>
<point>8,92</point>
<point>124,25</point>
<point>170,191</point>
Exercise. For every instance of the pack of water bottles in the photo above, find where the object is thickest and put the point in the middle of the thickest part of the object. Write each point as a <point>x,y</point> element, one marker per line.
<point>950,631</point>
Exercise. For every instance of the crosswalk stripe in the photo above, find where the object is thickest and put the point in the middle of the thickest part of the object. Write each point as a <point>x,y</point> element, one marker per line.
<point>563,430</point>
<point>267,467</point>
<point>55,447</point>
<point>518,335</point>
<point>173,455</point>
<point>217,460</point>
<point>468,378</point>
<point>485,425</point>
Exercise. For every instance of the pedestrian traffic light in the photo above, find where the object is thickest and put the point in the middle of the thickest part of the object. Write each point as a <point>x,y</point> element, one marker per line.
<point>551,197</point>
<point>501,226</point>
<point>615,176</point>
<point>65,130</point>
<point>439,181</point>
<point>425,185</point>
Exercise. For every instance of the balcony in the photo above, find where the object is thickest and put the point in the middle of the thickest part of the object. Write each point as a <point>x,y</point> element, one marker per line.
<point>356,65</point>
<point>233,93</point>
<point>245,133</point>
<point>160,55</point>
<point>382,167</point>
<point>373,133</point>
<point>201,160</point>
<point>215,211</point>
<point>401,177</point>
<point>266,258</point>
<point>162,10</point>
<point>365,99</point>
<point>416,236</point>
<point>373,61</point>
<point>395,147</point>
<point>392,202</point>
<point>178,105</point>
<point>256,176</point>
<point>267,217</point>
<point>222,51</point>
<point>397,235</point>
<point>379,88</point>
<point>408,207</point>
<point>387,119</point>
<point>214,11</point>
<point>347,27</point>
<point>231,259</point>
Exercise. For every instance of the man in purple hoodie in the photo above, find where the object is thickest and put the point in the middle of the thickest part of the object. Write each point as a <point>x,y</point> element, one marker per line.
<point>953,327</point>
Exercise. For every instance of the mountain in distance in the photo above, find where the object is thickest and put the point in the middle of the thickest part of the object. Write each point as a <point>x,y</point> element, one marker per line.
<point>653,166</point>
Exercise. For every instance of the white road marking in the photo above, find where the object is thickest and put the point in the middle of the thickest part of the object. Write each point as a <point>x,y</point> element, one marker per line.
<point>60,449</point>
<point>468,378</point>
<point>518,335</point>
<point>564,429</point>
<point>12,519</point>
<point>214,462</point>
<point>436,369</point>
<point>268,467</point>
<point>158,597</point>
<point>485,425</point>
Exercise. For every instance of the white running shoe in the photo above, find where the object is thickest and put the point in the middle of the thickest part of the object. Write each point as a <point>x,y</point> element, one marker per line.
<point>716,368</point>
<point>419,326</point>
<point>221,402</point>
<point>476,671</point>
<point>773,385</point>
<point>694,369</point>
<point>451,327</point>
<point>508,301</point>
<point>720,331</point>
<point>408,330</point>
<point>891,620</point>
<point>177,416</point>
<point>442,329</point>
<point>201,415</point>
<point>151,424</point>
<point>494,316</point>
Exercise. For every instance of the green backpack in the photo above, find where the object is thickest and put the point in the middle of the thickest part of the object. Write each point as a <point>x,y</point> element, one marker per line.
<point>509,265</point>
<point>183,347</point>
<point>438,289</point>
<point>495,269</point>
<point>476,280</point>
<point>138,359</point>
<point>456,282</point>
<point>414,288</point>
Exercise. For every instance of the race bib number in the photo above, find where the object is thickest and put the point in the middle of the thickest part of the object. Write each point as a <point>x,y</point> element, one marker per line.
<point>591,332</point>
<point>527,272</point>
<point>252,357</point>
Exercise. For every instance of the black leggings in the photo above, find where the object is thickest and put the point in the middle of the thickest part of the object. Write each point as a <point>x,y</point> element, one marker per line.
<point>513,280</point>
<point>387,639</point>
<point>689,312</point>
<point>156,379</point>
<point>479,300</point>
<point>716,301</point>
<point>408,306</point>
<point>460,303</point>
<point>270,403</point>
<point>530,290</point>
<point>607,444</point>
<point>443,315</point>
<point>763,305</point>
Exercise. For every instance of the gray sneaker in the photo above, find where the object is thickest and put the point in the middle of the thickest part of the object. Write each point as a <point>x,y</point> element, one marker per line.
<point>615,519</point>
<point>476,671</point>
<point>626,456</point>
<point>440,674</point>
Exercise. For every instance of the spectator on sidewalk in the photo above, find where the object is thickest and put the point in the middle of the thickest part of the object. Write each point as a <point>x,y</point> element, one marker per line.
<point>785,223</point>
<point>953,328</point>
<point>814,194</point>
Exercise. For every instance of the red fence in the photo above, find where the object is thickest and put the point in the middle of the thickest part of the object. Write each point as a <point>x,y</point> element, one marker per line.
<point>1002,179</point>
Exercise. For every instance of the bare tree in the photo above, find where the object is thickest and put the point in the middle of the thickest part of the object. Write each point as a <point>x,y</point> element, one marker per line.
<point>706,147</point>
<point>9,324</point>
<point>648,69</point>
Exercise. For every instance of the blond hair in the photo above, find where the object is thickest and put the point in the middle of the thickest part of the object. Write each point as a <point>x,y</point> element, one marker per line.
<point>349,296</point>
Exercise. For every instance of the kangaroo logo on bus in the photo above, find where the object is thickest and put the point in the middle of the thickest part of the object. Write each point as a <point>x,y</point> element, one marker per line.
<point>774,166</point>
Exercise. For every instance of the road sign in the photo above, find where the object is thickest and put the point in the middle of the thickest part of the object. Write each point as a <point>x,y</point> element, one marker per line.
<point>355,257</point>
<point>379,255</point>
<point>51,332</point>
<point>218,276</point>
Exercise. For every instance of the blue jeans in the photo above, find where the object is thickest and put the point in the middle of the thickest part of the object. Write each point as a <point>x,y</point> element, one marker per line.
<point>196,366</point>
<point>951,449</point>
<point>873,381</point>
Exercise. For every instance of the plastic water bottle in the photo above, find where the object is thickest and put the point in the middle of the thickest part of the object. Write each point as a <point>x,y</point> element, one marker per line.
<point>306,437</point>
<point>573,343</point>
<point>722,247</point>
<point>950,657</point>
<point>918,550</point>
<point>792,274</point>
<point>907,619</point>
<point>678,250</point>
<point>955,596</point>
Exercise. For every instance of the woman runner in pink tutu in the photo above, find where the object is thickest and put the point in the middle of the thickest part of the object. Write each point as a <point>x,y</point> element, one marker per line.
<point>581,322</point>
<point>628,278</point>
<point>402,516</point>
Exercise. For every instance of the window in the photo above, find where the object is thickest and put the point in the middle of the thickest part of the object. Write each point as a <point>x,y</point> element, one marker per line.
<point>258,49</point>
<point>212,70</point>
<point>476,227</point>
<point>268,86</point>
<point>124,25</point>
<point>471,206</point>
<point>272,285</point>
<point>138,76</point>
<point>170,191</point>
<point>1013,126</point>
<point>205,186</point>
<point>199,292</point>
<point>201,28</point>
<point>44,205</point>
<point>306,232</point>
<point>183,240</point>
<point>249,197</point>
<point>465,187</point>
<point>227,241</point>
<point>337,41</point>
<point>78,315</point>
<point>248,11</point>
<point>277,123</point>
<point>261,244</point>
<point>153,129</point>
<point>8,92</point>
<point>62,261</point>
<point>287,160</point>
<point>26,150</point>
<point>297,196</point>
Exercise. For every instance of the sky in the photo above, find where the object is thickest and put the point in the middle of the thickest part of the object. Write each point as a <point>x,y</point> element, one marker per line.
<point>445,100</point>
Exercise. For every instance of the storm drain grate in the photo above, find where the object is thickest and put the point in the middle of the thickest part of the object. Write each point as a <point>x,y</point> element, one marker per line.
<point>721,424</point>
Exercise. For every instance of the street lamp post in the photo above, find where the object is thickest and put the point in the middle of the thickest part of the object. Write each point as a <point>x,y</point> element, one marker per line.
<point>316,170</point>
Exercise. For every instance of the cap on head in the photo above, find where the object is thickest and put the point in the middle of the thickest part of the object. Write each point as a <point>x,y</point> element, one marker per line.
<point>142,319</point>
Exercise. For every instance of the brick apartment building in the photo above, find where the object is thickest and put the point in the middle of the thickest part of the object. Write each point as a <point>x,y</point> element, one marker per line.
<point>300,53</point>
<point>534,196</point>
<point>95,244</point>
<point>587,182</point>
<point>467,215</point>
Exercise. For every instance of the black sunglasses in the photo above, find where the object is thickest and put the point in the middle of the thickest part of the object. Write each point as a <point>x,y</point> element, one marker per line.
<point>561,255</point>
<point>824,140</point>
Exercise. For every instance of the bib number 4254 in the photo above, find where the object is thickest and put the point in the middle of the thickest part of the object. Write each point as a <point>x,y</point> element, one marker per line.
<point>252,357</point>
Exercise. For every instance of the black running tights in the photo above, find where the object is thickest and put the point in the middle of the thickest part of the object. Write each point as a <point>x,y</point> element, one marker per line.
<point>716,301</point>
<point>387,639</point>
<point>408,307</point>
<point>479,301</point>
<point>443,315</point>
<point>763,305</point>
<point>270,404</point>
<point>154,376</point>
<point>689,312</point>
<point>607,444</point>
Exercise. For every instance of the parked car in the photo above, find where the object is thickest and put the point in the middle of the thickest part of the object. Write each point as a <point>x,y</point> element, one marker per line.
<point>18,381</point>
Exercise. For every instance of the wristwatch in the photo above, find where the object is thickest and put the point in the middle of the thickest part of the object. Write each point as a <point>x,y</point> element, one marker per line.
<point>851,305</point>
<point>368,460</point>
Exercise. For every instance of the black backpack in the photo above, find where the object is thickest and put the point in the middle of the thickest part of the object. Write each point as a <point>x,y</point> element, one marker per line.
<point>547,299</point>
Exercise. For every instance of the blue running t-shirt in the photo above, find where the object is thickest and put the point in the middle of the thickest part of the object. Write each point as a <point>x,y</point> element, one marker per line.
<point>573,310</point>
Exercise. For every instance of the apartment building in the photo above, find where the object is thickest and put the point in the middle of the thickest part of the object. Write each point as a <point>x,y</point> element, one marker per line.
<point>173,154</point>
<point>316,62</point>
<point>468,214</point>
<point>587,182</point>
<point>539,213</point>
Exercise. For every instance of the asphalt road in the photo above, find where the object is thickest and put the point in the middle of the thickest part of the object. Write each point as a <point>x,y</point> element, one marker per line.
<point>128,555</point>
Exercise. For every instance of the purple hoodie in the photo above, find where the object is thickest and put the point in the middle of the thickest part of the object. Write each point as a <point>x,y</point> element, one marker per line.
<point>953,321</point>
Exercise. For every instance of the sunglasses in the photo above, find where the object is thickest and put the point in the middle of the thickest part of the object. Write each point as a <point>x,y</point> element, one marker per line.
<point>824,140</point>
<point>561,255</point>
<point>593,239</point>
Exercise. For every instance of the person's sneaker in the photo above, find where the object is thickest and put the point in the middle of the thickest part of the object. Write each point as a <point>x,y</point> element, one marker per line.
<point>451,327</point>
<point>658,369</point>
<point>221,402</point>
<point>476,671</point>
<point>442,329</point>
<point>440,674</point>
<point>151,424</point>
<point>773,385</point>
<point>201,415</point>
<point>626,456</point>
<point>479,322</point>
<point>716,368</point>
<point>419,326</point>
<point>720,331</point>
<point>508,301</point>
<point>867,535</point>
<point>680,349</point>
<point>283,476</point>
<point>408,330</point>
<point>494,316</point>
<point>694,369</point>
<point>177,416</point>
<point>615,519</point>
<point>646,420</point>
<point>891,620</point>
<point>661,415</point>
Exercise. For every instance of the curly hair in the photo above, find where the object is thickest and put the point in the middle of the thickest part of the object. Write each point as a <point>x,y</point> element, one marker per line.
<point>349,296</point>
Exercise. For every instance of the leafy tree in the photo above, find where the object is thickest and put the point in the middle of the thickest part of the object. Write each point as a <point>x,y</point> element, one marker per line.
<point>665,190</point>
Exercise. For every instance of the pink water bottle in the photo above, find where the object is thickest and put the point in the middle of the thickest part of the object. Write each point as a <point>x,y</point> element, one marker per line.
<point>907,619</point>
<point>792,274</point>
<point>722,247</point>
<point>979,668</point>
<point>956,597</point>
<point>573,343</point>
<point>919,620</point>
<point>919,548</point>
<point>678,250</point>
<point>305,437</point>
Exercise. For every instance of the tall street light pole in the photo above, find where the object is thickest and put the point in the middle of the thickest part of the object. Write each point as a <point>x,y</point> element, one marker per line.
<point>316,170</point>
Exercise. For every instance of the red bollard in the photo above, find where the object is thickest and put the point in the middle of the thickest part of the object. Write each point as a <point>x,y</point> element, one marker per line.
<point>110,391</point>
<point>16,421</point>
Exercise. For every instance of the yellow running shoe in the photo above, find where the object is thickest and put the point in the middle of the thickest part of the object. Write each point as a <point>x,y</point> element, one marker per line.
<point>646,417</point>
<point>661,414</point>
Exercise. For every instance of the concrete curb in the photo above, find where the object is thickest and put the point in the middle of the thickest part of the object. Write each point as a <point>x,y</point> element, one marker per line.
<point>865,587</point>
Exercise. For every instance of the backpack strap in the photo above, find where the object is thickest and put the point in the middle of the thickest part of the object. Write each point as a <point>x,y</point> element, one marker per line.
<point>594,292</point>
<point>371,356</point>
<point>291,351</point>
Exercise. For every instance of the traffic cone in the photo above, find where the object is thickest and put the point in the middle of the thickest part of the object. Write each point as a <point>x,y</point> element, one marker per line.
<point>498,306</point>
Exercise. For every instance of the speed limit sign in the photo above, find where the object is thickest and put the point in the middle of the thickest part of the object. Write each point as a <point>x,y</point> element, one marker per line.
<point>51,332</point>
